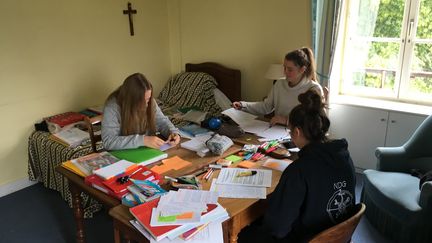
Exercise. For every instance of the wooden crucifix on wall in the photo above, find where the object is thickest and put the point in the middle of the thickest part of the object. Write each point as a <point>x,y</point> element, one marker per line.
<point>129,12</point>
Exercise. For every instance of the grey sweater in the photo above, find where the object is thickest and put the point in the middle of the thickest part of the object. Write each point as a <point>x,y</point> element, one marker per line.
<point>111,138</point>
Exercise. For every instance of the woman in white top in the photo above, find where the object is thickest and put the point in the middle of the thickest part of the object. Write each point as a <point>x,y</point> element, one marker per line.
<point>299,68</point>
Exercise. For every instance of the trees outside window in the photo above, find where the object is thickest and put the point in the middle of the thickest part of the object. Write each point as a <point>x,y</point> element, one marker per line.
<point>387,50</point>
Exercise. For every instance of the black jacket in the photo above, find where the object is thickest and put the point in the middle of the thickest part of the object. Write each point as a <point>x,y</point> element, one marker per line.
<point>313,192</point>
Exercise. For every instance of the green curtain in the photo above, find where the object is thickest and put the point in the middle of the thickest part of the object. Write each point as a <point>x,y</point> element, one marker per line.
<point>325,22</point>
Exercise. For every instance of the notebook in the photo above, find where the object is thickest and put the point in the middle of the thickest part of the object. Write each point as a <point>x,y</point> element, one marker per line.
<point>141,155</point>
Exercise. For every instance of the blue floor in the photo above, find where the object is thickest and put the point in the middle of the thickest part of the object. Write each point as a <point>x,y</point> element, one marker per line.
<point>37,214</point>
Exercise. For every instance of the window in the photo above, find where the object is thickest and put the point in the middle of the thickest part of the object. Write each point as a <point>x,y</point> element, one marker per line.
<point>387,50</point>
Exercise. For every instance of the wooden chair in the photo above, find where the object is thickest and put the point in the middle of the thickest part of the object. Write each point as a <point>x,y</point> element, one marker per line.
<point>342,232</point>
<point>94,137</point>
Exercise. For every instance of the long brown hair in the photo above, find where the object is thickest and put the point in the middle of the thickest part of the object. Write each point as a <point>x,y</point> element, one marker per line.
<point>310,116</point>
<point>137,116</point>
<point>304,57</point>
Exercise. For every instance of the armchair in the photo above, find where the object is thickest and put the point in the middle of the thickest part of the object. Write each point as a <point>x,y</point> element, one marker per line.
<point>395,205</point>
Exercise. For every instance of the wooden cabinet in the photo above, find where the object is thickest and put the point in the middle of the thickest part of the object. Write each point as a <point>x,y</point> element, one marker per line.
<point>367,128</point>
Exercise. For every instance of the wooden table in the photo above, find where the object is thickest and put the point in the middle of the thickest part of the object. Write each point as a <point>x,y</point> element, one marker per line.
<point>242,212</point>
<point>77,185</point>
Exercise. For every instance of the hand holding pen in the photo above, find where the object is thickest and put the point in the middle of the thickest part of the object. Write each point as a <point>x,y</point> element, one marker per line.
<point>173,139</point>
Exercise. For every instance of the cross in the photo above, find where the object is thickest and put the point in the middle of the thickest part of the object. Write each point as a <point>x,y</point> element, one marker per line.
<point>129,12</point>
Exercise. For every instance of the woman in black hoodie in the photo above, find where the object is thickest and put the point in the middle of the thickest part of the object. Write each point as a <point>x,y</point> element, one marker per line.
<point>317,189</point>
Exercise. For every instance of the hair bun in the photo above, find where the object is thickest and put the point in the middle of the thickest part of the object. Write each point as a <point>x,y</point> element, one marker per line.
<point>311,100</point>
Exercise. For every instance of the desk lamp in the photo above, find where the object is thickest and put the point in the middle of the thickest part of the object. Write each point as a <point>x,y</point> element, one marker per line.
<point>275,72</point>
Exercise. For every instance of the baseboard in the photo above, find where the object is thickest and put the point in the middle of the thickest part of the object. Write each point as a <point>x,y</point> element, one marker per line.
<point>15,186</point>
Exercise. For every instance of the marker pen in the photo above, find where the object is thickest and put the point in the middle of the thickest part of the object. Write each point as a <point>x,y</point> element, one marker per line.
<point>246,173</point>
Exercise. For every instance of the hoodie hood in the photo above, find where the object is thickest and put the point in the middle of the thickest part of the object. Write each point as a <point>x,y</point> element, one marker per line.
<point>334,152</point>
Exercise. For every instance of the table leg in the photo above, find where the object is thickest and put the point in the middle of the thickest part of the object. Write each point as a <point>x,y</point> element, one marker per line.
<point>78,213</point>
<point>230,227</point>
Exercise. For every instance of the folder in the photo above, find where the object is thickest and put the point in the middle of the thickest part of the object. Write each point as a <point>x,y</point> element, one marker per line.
<point>141,155</point>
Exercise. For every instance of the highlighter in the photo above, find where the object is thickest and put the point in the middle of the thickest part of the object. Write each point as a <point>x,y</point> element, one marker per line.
<point>246,173</point>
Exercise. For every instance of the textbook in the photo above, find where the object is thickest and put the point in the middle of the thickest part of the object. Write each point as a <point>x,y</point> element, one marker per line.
<point>113,170</point>
<point>89,163</point>
<point>120,182</point>
<point>145,190</point>
<point>143,214</point>
<point>97,182</point>
<point>71,137</point>
<point>141,155</point>
<point>195,130</point>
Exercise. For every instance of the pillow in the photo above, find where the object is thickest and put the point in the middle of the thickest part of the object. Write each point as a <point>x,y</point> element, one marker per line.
<point>221,99</point>
<point>191,89</point>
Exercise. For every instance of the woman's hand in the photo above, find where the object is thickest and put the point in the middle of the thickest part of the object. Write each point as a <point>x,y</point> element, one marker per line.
<point>237,105</point>
<point>153,142</point>
<point>278,120</point>
<point>173,139</point>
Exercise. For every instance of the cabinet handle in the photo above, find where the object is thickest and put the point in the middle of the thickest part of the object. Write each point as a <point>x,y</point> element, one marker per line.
<point>382,119</point>
<point>393,121</point>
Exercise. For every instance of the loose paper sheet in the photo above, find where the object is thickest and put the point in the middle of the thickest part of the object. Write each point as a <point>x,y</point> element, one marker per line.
<point>236,191</point>
<point>228,176</point>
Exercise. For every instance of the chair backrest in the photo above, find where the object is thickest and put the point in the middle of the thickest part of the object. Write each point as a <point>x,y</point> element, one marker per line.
<point>94,135</point>
<point>342,232</point>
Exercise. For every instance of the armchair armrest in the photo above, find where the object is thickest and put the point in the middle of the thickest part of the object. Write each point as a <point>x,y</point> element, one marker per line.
<point>425,199</point>
<point>392,159</point>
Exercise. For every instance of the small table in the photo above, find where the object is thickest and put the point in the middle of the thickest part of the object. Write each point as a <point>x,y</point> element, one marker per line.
<point>77,185</point>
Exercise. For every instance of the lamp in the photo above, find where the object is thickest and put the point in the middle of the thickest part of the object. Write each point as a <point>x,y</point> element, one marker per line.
<point>275,72</point>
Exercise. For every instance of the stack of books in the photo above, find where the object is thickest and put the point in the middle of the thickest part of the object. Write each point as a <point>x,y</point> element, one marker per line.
<point>114,176</point>
<point>171,216</point>
<point>71,137</point>
<point>58,122</point>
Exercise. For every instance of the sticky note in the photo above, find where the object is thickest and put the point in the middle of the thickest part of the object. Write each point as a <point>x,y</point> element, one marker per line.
<point>234,158</point>
<point>186,215</point>
<point>246,164</point>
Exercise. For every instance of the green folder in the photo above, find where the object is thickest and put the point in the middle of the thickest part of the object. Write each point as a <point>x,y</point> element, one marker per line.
<point>141,155</point>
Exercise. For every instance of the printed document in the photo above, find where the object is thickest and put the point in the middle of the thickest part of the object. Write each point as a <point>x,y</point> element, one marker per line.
<point>230,176</point>
<point>240,117</point>
<point>237,191</point>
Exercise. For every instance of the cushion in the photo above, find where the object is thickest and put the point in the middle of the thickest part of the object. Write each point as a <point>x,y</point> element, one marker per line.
<point>398,191</point>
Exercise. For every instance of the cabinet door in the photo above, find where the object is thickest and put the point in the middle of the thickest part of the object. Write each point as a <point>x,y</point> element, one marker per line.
<point>400,127</point>
<point>364,130</point>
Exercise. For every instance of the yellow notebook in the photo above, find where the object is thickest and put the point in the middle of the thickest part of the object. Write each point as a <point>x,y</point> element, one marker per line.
<point>70,166</point>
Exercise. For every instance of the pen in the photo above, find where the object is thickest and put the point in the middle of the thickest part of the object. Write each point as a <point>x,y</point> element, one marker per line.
<point>246,173</point>
<point>209,175</point>
<point>171,179</point>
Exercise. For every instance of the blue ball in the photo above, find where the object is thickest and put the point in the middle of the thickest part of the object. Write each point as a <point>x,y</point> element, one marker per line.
<point>214,123</point>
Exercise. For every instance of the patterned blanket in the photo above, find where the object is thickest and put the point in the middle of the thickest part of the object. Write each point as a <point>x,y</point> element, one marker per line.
<point>189,89</point>
<point>44,155</point>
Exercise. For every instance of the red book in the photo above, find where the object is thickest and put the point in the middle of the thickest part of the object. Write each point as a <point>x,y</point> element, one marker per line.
<point>143,213</point>
<point>138,173</point>
<point>66,118</point>
<point>97,182</point>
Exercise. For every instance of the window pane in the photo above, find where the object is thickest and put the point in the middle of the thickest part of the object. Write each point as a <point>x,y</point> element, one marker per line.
<point>389,18</point>
<point>424,25</point>
<point>421,70</point>
<point>378,68</point>
<point>379,18</point>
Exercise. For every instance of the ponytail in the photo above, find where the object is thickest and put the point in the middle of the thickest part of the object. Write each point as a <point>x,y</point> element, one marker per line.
<point>304,57</point>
